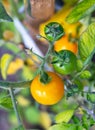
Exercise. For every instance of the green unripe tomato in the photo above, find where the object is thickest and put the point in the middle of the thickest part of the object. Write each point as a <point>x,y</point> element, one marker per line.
<point>64,62</point>
<point>53,31</point>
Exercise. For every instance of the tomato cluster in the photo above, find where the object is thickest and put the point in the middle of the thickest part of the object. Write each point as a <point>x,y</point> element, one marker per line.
<point>48,89</point>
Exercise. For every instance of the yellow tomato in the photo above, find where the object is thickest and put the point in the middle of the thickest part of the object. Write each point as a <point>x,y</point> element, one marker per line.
<point>47,93</point>
<point>64,44</point>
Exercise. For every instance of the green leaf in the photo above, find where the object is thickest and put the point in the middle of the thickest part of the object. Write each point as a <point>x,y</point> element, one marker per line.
<point>20,84</point>
<point>12,47</point>
<point>20,128</point>
<point>79,84</point>
<point>91,97</point>
<point>5,61</point>
<point>76,119</point>
<point>87,42</point>
<point>3,14</point>
<point>64,116</point>
<point>27,73</point>
<point>81,10</point>
<point>79,65</point>
<point>80,128</point>
<point>85,74</point>
<point>6,102</point>
<point>32,115</point>
<point>63,126</point>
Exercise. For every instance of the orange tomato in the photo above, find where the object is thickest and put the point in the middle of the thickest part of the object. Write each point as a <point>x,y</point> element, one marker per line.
<point>49,93</point>
<point>65,44</point>
<point>72,29</point>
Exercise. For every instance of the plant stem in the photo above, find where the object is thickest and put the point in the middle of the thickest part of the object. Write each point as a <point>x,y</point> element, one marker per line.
<point>78,74</point>
<point>15,106</point>
<point>14,8</point>
<point>94,111</point>
<point>46,56</point>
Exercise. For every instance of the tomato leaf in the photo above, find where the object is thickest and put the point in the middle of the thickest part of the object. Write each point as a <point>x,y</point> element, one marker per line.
<point>81,10</point>
<point>6,102</point>
<point>5,61</point>
<point>64,116</point>
<point>80,127</point>
<point>91,97</point>
<point>27,74</point>
<point>87,43</point>
<point>85,74</point>
<point>12,47</point>
<point>20,84</point>
<point>20,128</point>
<point>33,113</point>
<point>63,126</point>
<point>3,14</point>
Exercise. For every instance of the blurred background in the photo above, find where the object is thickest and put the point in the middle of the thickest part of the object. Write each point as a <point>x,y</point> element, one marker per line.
<point>14,39</point>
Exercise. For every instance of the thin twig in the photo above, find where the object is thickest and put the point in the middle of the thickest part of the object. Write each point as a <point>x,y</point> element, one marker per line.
<point>15,106</point>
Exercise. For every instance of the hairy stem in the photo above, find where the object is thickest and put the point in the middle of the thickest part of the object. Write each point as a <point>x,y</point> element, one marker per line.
<point>15,106</point>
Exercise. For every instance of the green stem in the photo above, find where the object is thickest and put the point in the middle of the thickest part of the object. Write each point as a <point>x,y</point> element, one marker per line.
<point>37,55</point>
<point>94,110</point>
<point>15,106</point>
<point>79,73</point>
<point>14,8</point>
<point>46,56</point>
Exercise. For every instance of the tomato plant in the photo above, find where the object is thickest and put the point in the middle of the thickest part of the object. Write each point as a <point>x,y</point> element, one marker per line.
<point>72,29</point>
<point>65,44</point>
<point>64,62</point>
<point>63,78</point>
<point>47,93</point>
<point>53,27</point>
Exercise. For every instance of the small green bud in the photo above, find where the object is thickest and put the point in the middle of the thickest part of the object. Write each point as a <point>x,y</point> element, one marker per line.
<point>79,65</point>
<point>85,74</point>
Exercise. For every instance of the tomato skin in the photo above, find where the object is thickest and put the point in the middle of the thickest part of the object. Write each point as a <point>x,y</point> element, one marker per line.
<point>65,44</point>
<point>49,93</point>
<point>72,29</point>
<point>65,65</point>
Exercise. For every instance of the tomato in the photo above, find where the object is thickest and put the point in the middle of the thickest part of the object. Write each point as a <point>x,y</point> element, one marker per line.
<point>53,31</point>
<point>65,44</point>
<point>47,93</point>
<point>64,62</point>
<point>72,29</point>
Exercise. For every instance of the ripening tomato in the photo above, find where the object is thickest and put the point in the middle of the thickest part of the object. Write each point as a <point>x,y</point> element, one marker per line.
<point>47,93</point>
<point>65,44</point>
<point>64,62</point>
<point>72,29</point>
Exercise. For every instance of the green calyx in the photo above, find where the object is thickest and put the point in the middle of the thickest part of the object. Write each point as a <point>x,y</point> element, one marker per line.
<point>64,62</point>
<point>54,31</point>
<point>62,57</point>
<point>44,77</point>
